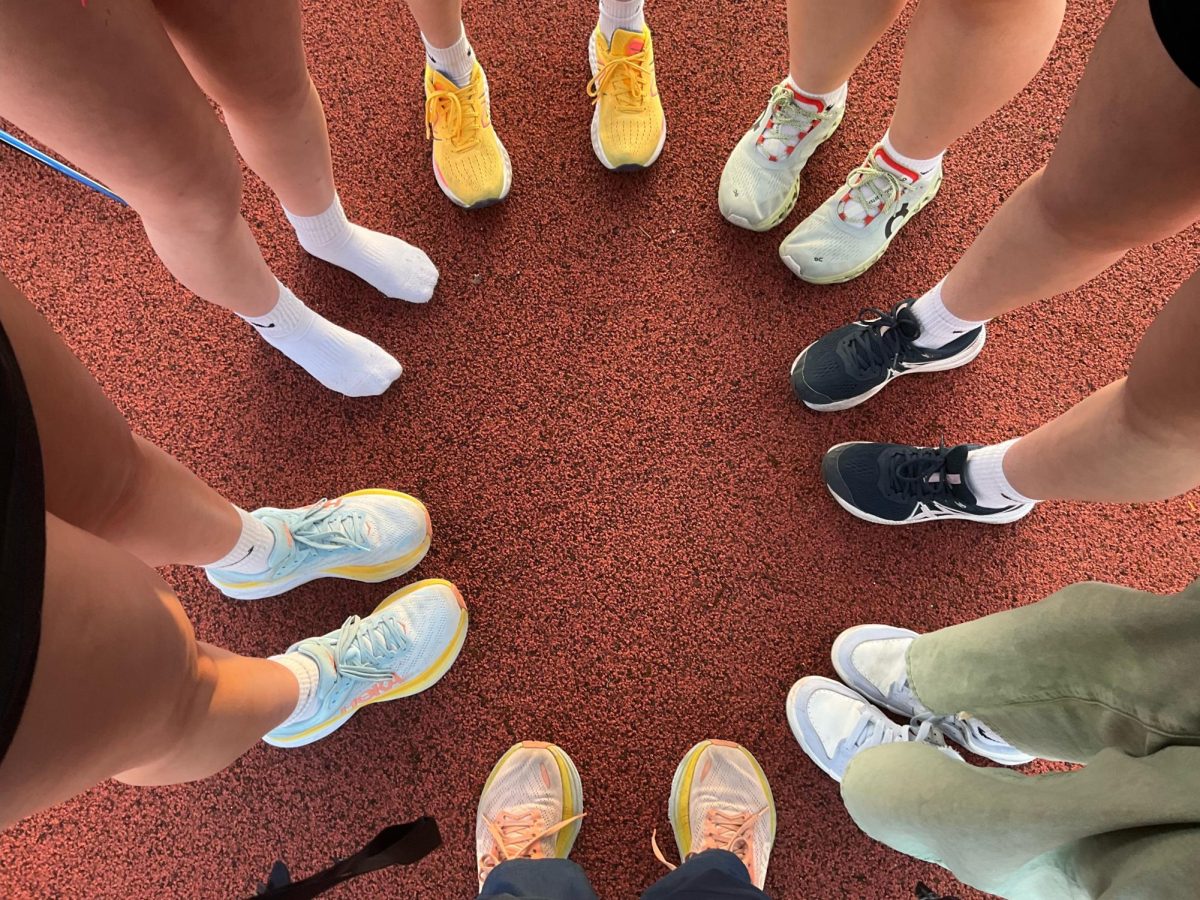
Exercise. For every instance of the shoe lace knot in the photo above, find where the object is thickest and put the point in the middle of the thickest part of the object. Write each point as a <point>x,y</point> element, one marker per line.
<point>722,830</point>
<point>786,122</point>
<point>882,341</point>
<point>366,648</point>
<point>325,525</point>
<point>627,78</point>
<point>455,115</point>
<point>919,473</point>
<point>874,191</point>
<point>518,835</point>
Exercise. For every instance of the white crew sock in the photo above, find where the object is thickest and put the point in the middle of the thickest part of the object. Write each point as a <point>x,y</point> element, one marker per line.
<point>939,326</point>
<point>253,548</point>
<point>624,14</point>
<point>832,98</point>
<point>391,266</point>
<point>308,676</point>
<point>339,359</point>
<point>456,62</point>
<point>984,475</point>
<point>921,166</point>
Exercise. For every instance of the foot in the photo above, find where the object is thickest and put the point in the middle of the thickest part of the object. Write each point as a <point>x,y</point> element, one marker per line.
<point>370,535</point>
<point>470,164</point>
<point>873,659</point>
<point>834,724</point>
<point>531,807</point>
<point>403,648</point>
<point>855,362</point>
<point>721,800</point>
<point>341,360</point>
<point>393,267</point>
<point>628,124</point>
<point>895,484</point>
<point>762,175</point>
<point>850,230</point>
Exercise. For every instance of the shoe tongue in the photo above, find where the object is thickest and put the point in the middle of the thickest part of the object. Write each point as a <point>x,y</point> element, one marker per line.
<point>285,545</point>
<point>627,43</point>
<point>907,324</point>
<point>956,466</point>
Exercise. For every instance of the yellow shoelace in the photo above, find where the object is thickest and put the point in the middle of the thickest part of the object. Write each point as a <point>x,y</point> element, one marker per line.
<point>455,115</point>
<point>626,76</point>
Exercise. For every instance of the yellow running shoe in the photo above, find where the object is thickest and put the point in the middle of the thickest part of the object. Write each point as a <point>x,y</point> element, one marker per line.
<point>470,164</point>
<point>628,125</point>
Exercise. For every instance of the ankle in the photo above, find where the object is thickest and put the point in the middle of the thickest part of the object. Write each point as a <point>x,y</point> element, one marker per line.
<point>826,98</point>
<point>985,477</point>
<point>923,165</point>
<point>456,61</point>
<point>326,231</point>
<point>939,326</point>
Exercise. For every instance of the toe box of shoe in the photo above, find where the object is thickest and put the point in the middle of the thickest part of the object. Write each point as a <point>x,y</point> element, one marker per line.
<point>752,190</point>
<point>819,374</point>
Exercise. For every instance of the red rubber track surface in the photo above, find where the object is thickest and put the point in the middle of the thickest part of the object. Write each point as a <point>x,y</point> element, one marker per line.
<point>596,410</point>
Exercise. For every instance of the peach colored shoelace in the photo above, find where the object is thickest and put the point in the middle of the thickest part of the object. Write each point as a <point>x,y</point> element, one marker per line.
<point>517,836</point>
<point>722,831</point>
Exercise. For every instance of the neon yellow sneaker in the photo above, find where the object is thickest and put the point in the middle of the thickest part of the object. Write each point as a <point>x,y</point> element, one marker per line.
<point>470,164</point>
<point>628,125</point>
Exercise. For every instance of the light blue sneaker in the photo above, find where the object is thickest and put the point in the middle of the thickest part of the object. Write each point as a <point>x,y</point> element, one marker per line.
<point>369,535</point>
<point>834,724</point>
<point>404,647</point>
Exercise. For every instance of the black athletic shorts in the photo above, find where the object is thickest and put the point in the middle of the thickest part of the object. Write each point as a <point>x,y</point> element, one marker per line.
<point>1175,21</point>
<point>22,543</point>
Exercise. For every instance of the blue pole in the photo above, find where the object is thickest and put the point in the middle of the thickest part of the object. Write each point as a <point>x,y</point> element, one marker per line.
<point>17,144</point>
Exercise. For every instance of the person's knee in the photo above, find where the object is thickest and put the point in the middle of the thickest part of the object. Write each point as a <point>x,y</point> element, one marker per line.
<point>117,500</point>
<point>1075,212</point>
<point>201,193</point>
<point>282,96</point>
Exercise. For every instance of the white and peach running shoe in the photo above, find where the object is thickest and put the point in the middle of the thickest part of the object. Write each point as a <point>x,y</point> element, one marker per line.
<point>721,800</point>
<point>761,178</point>
<point>850,231</point>
<point>531,807</point>
<point>403,648</point>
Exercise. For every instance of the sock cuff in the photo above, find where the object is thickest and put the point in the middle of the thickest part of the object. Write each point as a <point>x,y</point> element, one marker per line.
<point>829,98</point>
<point>462,36</point>
<point>324,229</point>
<point>288,316</point>
<point>986,477</point>
<point>308,677</point>
<point>456,62</point>
<point>254,536</point>
<point>923,166</point>
<point>931,308</point>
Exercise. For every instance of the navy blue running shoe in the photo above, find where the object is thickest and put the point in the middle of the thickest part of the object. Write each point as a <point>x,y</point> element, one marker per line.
<point>856,361</point>
<point>895,484</point>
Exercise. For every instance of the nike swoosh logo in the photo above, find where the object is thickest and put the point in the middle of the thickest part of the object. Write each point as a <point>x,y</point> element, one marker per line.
<point>259,325</point>
<point>243,559</point>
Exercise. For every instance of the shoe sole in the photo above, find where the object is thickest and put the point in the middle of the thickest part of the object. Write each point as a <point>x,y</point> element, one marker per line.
<point>373,574</point>
<point>596,147</point>
<point>1002,518</point>
<point>964,356</point>
<point>860,269</point>
<point>835,655</point>
<point>681,789</point>
<point>572,802</point>
<point>487,201</point>
<point>419,683</point>
<point>789,203</point>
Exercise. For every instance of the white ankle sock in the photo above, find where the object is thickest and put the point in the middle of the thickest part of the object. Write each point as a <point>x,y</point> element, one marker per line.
<point>456,62</point>
<point>252,550</point>
<point>984,475</point>
<point>339,359</point>
<point>921,166</point>
<point>832,98</point>
<point>308,676</point>
<point>623,14</point>
<point>391,266</point>
<point>939,326</point>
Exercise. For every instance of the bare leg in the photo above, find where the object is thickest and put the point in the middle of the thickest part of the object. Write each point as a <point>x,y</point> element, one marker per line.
<point>439,20</point>
<point>112,484</point>
<point>1133,117</point>
<point>941,98</point>
<point>1137,439</point>
<point>249,57</point>
<point>122,689</point>
<point>827,39</point>
<point>103,85</point>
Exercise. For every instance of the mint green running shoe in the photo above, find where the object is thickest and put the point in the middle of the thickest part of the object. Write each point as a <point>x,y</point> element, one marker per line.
<point>403,648</point>
<point>370,535</point>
